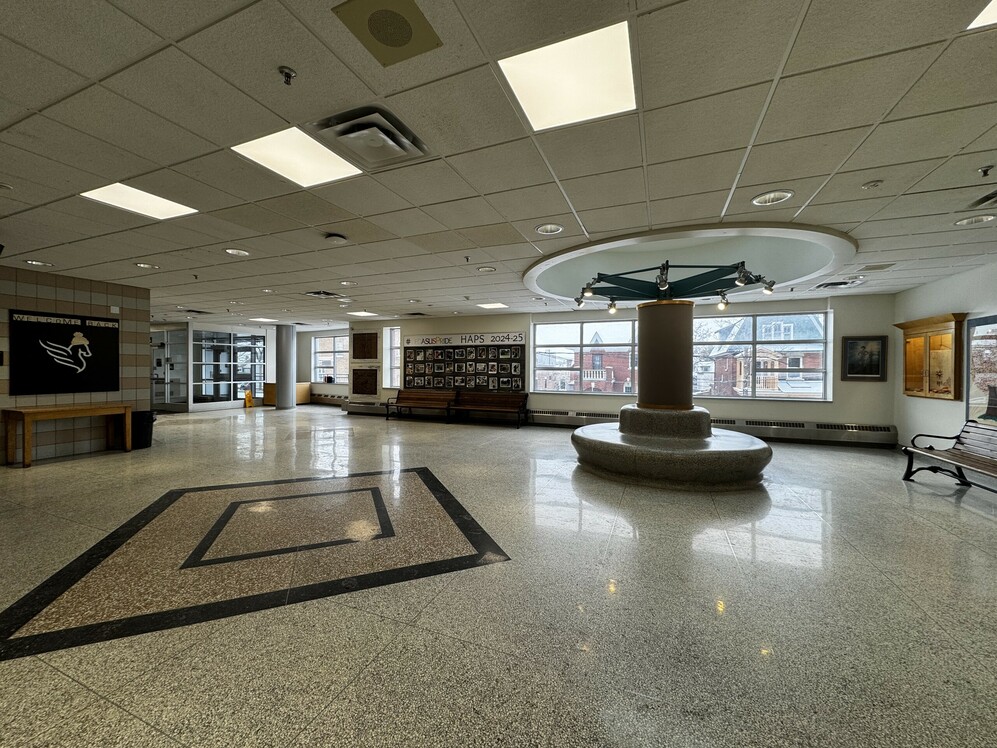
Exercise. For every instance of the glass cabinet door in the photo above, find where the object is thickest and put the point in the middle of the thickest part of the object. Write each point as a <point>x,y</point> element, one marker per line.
<point>941,366</point>
<point>933,356</point>
<point>914,365</point>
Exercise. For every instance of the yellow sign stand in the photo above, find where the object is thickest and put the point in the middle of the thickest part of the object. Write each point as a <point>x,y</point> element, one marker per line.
<point>249,398</point>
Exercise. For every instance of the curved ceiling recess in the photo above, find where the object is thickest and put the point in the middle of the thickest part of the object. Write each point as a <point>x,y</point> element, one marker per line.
<point>789,254</point>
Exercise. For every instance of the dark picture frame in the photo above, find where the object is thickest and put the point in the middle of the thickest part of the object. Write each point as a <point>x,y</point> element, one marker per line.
<point>863,358</point>
<point>981,370</point>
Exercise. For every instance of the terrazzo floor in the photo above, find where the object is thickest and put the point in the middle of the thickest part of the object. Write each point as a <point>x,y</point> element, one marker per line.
<point>835,606</point>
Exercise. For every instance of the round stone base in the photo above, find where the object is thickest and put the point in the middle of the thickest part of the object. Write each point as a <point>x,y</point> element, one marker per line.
<point>725,461</point>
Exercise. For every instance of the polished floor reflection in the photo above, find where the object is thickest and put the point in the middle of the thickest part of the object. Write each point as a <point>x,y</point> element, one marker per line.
<point>837,606</point>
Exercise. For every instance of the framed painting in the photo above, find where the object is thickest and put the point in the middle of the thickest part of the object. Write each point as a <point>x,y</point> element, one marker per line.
<point>863,359</point>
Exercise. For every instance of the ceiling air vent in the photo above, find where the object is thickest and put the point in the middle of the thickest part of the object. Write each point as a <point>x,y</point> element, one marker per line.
<point>391,30</point>
<point>831,285</point>
<point>371,137</point>
<point>989,200</point>
<point>874,268</point>
<point>416,314</point>
<point>323,294</point>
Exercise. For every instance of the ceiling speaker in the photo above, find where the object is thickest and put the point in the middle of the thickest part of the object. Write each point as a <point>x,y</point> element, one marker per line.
<point>391,30</point>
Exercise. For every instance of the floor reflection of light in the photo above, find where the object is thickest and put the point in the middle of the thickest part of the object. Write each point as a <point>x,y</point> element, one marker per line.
<point>580,516</point>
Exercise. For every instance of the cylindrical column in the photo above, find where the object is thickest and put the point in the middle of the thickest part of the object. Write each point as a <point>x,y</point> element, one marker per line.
<point>664,340</point>
<point>287,351</point>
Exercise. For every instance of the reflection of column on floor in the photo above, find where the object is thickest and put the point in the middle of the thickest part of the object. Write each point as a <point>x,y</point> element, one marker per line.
<point>664,339</point>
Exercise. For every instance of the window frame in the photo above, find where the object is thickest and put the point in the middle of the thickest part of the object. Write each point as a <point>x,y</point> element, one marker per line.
<point>582,347</point>
<point>337,379</point>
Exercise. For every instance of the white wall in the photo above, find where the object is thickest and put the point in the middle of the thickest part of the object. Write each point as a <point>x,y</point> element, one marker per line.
<point>853,402</point>
<point>973,292</point>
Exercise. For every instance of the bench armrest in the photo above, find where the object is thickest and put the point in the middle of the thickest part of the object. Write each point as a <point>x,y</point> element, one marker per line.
<point>913,442</point>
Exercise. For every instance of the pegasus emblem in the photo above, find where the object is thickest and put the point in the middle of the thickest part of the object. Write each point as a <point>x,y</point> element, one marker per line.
<point>73,355</point>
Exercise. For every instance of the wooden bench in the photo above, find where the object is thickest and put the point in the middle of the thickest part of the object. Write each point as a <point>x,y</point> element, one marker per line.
<point>513,403</point>
<point>406,400</point>
<point>28,415</point>
<point>974,448</point>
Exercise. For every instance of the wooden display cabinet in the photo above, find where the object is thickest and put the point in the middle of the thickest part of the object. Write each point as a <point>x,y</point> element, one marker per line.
<point>933,356</point>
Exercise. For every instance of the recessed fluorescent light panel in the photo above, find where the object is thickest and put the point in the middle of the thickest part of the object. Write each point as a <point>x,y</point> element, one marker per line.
<point>495,305</point>
<point>578,79</point>
<point>297,157</point>
<point>364,313</point>
<point>987,17</point>
<point>137,201</point>
<point>262,319</point>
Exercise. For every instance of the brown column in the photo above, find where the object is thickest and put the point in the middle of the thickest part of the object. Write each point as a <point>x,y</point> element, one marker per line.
<point>664,343</point>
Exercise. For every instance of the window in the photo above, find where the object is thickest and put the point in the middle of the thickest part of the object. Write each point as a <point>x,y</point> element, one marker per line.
<point>761,356</point>
<point>226,365</point>
<point>331,358</point>
<point>392,376</point>
<point>592,357</point>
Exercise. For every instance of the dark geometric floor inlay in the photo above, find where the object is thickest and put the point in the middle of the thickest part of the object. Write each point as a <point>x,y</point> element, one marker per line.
<point>199,554</point>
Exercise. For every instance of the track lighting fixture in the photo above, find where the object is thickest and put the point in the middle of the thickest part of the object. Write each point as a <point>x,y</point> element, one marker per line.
<point>743,276</point>
<point>612,306</point>
<point>723,304</point>
<point>587,291</point>
<point>579,301</point>
<point>662,279</point>
<point>769,288</point>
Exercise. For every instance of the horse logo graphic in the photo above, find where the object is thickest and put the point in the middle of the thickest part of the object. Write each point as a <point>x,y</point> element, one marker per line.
<point>73,355</point>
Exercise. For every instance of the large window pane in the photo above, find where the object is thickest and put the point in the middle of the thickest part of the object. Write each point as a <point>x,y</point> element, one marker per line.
<point>607,332</point>
<point>721,329</point>
<point>549,380</point>
<point>568,334</point>
<point>791,327</point>
<point>556,357</point>
<point>722,370</point>
<point>607,369</point>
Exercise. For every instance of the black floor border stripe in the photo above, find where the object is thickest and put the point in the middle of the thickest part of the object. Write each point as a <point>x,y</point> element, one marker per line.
<point>35,601</point>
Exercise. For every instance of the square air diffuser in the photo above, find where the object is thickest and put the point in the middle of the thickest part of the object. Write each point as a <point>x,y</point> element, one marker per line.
<point>391,30</point>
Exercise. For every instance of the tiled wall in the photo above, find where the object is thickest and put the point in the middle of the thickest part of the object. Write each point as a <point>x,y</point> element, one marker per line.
<point>44,292</point>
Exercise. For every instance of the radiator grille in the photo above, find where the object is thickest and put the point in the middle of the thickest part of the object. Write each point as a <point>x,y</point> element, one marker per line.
<point>724,421</point>
<point>851,427</point>
<point>549,413</point>
<point>584,414</point>
<point>780,424</point>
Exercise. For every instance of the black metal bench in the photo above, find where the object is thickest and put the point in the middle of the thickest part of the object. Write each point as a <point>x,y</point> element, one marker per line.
<point>511,403</point>
<point>974,448</point>
<point>406,400</point>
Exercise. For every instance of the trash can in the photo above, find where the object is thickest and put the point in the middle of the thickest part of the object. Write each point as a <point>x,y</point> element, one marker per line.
<point>142,421</point>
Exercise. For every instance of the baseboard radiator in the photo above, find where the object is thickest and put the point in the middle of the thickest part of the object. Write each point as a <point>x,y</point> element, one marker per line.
<point>802,431</point>
<point>322,399</point>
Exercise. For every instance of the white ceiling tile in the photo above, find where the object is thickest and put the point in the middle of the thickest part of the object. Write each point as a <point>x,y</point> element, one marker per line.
<point>99,112</point>
<point>216,228</point>
<point>177,18</point>
<point>962,171</point>
<point>177,88</point>
<point>986,142</point>
<point>502,167</point>
<point>924,137</point>
<point>853,211</point>
<point>706,206</point>
<point>459,50</point>
<point>770,215</point>
<point>407,222</point>
<point>27,231</point>
<point>9,207</point>
<point>47,81</point>
<point>690,176</point>
<point>529,202</point>
<point>306,208</point>
<point>465,111</point>
<point>247,48</point>
<point>753,37</point>
<point>837,31</point>
<point>97,218</point>
<point>258,219</point>
<point>859,93</point>
<point>226,171</point>
<point>956,79</point>
<point>441,241</point>
<point>939,201</point>
<point>88,36</point>
<point>680,131</point>
<point>801,157</point>
<point>459,214</point>
<point>517,25</point>
<point>593,147</point>
<point>604,190</point>
<point>426,182</point>
<point>53,140</point>
<point>618,218</point>
<point>27,167</point>
<point>847,185</point>
<point>362,196</point>
<point>937,225</point>
<point>11,112</point>
<point>492,235</point>
<point>520,251</point>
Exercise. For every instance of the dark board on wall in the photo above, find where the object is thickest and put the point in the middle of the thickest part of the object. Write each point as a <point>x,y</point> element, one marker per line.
<point>365,346</point>
<point>489,368</point>
<point>54,353</point>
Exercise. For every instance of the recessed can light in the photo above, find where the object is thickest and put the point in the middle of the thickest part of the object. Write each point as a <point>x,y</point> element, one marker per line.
<point>348,283</point>
<point>5,186</point>
<point>146,266</point>
<point>537,298</point>
<point>262,319</point>
<point>973,220</point>
<point>268,290</point>
<point>39,263</point>
<point>336,238</point>
<point>772,198</point>
<point>413,301</point>
<point>237,252</point>
<point>494,305</point>
<point>486,269</point>
<point>549,229</point>
<point>873,184</point>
